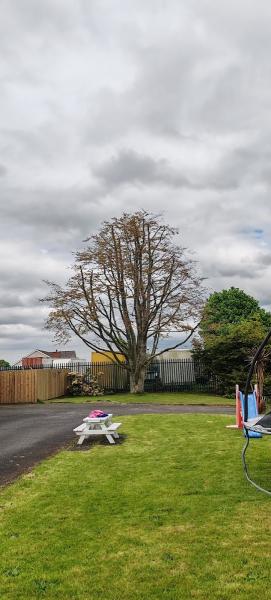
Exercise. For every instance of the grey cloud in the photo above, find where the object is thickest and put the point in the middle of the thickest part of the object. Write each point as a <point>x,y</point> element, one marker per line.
<point>163,94</point>
<point>22,279</point>
<point>32,317</point>
<point>30,143</point>
<point>246,272</point>
<point>242,165</point>
<point>56,218</point>
<point>170,106</point>
<point>46,17</point>
<point>9,300</point>
<point>178,91</point>
<point>265,259</point>
<point>131,167</point>
<point>246,267</point>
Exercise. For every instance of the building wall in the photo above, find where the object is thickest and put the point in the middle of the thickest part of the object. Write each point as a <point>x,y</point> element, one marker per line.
<point>97,357</point>
<point>176,354</point>
<point>68,361</point>
<point>38,358</point>
<point>172,372</point>
<point>169,355</point>
<point>35,359</point>
<point>31,361</point>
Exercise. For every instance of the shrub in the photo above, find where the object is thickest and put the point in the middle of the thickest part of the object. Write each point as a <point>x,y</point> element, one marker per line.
<point>84,384</point>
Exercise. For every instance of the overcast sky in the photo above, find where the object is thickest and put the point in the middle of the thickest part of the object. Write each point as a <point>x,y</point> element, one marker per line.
<point>113,105</point>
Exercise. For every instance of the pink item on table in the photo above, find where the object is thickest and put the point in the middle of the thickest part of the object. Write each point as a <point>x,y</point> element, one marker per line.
<point>97,413</point>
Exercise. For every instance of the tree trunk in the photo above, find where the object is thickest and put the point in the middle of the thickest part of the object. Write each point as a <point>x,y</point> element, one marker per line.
<point>137,381</point>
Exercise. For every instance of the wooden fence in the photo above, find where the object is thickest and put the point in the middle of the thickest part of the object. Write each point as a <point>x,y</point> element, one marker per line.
<point>22,387</point>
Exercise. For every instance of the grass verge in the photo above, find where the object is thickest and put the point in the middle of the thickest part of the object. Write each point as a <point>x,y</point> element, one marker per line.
<point>166,515</point>
<point>152,398</point>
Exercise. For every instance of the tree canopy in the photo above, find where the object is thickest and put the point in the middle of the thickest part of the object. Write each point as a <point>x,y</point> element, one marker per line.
<point>232,327</point>
<point>229,307</point>
<point>4,363</point>
<point>131,286</point>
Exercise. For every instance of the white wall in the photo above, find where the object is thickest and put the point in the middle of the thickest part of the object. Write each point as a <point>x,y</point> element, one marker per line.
<point>176,354</point>
<point>173,373</point>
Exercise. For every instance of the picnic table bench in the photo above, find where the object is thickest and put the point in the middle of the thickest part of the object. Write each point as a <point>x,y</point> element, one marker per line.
<point>97,426</point>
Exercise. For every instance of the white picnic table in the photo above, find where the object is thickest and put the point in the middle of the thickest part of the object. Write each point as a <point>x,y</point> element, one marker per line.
<point>93,426</point>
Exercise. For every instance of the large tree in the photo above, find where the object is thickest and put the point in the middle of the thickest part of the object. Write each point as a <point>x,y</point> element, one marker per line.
<point>232,327</point>
<point>131,286</point>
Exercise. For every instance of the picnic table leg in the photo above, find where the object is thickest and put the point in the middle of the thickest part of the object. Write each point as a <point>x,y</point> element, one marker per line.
<point>107,435</point>
<point>81,439</point>
<point>84,435</point>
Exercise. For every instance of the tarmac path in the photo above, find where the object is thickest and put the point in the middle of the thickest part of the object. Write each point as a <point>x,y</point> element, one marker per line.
<point>31,432</point>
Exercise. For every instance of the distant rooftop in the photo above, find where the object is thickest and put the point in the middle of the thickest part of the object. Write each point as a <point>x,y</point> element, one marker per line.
<point>59,353</point>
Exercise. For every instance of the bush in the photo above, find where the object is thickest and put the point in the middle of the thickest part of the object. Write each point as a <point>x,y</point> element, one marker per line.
<point>84,384</point>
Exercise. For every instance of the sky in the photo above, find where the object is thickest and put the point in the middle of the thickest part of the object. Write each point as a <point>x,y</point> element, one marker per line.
<point>109,106</point>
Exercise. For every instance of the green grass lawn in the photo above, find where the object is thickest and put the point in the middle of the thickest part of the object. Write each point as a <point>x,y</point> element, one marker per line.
<point>156,398</point>
<point>165,515</point>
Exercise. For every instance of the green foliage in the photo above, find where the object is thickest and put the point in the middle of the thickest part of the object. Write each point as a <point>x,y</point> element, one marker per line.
<point>232,327</point>
<point>4,363</point>
<point>166,398</point>
<point>230,307</point>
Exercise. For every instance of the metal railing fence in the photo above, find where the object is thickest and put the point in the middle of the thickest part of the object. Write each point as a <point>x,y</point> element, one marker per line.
<point>187,374</point>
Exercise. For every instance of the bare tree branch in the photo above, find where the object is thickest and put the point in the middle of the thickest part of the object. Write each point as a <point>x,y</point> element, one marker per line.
<point>130,285</point>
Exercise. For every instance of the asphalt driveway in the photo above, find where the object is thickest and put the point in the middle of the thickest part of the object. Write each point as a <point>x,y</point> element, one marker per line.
<point>30,433</point>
